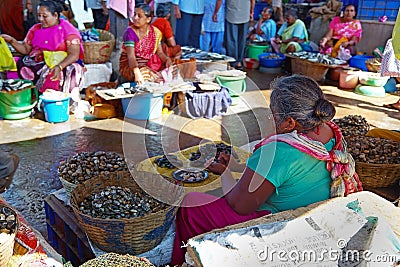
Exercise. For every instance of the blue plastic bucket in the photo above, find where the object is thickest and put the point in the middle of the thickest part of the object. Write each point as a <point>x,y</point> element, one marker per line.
<point>358,61</point>
<point>55,110</point>
<point>143,106</point>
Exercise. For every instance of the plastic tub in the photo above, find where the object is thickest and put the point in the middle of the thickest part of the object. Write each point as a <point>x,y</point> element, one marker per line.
<point>253,51</point>
<point>251,63</point>
<point>55,110</point>
<point>271,60</point>
<point>373,79</point>
<point>17,105</point>
<point>143,106</point>
<point>348,79</point>
<point>358,61</point>
<point>236,84</point>
<point>377,91</point>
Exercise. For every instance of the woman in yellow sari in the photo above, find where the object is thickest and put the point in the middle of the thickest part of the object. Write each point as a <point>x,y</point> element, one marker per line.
<point>291,36</point>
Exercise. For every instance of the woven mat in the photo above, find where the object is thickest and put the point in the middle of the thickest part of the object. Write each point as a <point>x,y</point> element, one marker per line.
<point>211,183</point>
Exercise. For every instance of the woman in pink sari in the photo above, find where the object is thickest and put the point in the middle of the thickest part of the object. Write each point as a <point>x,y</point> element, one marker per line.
<point>304,162</point>
<point>142,55</point>
<point>343,31</point>
<point>56,37</point>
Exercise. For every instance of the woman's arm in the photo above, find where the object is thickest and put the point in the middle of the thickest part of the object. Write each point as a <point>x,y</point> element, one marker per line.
<point>73,51</point>
<point>133,65</point>
<point>248,193</point>
<point>22,48</point>
<point>171,41</point>
<point>164,58</point>
<point>326,38</point>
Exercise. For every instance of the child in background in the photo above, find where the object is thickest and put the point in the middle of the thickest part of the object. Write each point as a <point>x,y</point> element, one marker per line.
<point>170,48</point>
<point>213,27</point>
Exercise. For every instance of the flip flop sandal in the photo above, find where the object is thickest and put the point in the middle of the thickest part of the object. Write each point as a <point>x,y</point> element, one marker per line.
<point>392,106</point>
<point>6,181</point>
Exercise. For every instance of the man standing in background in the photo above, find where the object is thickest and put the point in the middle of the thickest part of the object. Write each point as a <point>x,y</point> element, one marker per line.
<point>238,13</point>
<point>100,13</point>
<point>189,15</point>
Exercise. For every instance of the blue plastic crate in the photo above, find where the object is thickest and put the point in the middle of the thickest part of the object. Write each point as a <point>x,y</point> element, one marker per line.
<point>64,232</point>
<point>393,5</point>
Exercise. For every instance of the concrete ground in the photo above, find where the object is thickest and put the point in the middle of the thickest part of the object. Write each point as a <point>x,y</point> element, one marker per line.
<point>42,145</point>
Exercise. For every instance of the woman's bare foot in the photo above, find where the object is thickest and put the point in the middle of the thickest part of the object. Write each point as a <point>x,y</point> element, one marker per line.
<point>395,106</point>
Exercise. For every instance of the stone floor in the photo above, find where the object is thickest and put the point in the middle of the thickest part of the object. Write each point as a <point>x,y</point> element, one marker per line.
<point>42,145</point>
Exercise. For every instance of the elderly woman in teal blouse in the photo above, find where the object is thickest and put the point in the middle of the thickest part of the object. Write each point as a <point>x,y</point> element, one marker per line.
<point>291,36</point>
<point>265,28</point>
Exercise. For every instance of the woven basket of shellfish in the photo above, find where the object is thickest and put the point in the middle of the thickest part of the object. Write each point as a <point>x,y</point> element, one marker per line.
<point>114,259</point>
<point>120,216</point>
<point>86,165</point>
<point>377,160</point>
<point>352,125</point>
<point>8,229</point>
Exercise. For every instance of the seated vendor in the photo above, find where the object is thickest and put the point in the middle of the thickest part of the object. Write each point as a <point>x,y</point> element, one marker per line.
<point>161,22</point>
<point>303,163</point>
<point>265,28</point>
<point>291,36</point>
<point>142,55</point>
<point>343,31</point>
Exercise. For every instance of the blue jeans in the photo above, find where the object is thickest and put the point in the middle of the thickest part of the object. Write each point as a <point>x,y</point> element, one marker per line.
<point>235,40</point>
<point>188,29</point>
<point>215,38</point>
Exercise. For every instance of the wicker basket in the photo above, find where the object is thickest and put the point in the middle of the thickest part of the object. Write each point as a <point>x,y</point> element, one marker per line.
<point>68,186</point>
<point>316,71</point>
<point>373,64</point>
<point>7,244</point>
<point>377,175</point>
<point>136,235</point>
<point>99,52</point>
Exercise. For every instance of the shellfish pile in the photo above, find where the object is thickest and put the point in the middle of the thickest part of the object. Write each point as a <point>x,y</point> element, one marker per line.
<point>114,259</point>
<point>374,150</point>
<point>209,151</point>
<point>352,125</point>
<point>8,220</point>
<point>86,165</point>
<point>115,202</point>
<point>168,161</point>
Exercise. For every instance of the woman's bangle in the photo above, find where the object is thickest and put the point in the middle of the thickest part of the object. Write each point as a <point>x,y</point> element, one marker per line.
<point>61,68</point>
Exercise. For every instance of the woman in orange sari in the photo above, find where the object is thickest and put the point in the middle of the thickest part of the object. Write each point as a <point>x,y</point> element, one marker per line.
<point>142,55</point>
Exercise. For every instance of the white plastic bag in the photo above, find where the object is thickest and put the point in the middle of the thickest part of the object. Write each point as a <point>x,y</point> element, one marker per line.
<point>344,54</point>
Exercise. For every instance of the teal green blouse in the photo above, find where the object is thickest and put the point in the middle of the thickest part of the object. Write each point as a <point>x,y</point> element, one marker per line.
<point>299,178</point>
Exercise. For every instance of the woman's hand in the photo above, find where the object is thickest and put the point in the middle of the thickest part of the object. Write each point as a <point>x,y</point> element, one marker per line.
<point>9,39</point>
<point>323,41</point>
<point>225,161</point>
<point>138,76</point>
<point>217,168</point>
<point>278,40</point>
<point>168,62</point>
<point>56,73</point>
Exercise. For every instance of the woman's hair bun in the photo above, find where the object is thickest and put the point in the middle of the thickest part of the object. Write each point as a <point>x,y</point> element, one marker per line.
<point>324,110</point>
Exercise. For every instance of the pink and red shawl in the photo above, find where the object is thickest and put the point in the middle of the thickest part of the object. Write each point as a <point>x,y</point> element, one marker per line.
<point>339,162</point>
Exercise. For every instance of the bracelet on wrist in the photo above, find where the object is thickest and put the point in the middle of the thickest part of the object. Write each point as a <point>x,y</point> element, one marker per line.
<point>61,68</point>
